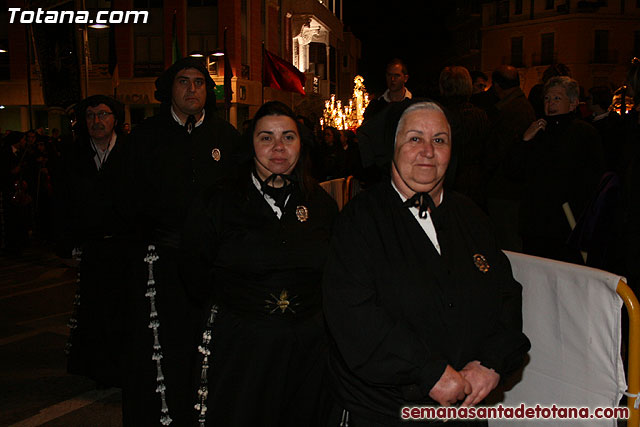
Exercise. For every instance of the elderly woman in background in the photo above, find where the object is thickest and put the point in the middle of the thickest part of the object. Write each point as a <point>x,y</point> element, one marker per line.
<point>421,302</point>
<point>255,248</point>
<point>561,161</point>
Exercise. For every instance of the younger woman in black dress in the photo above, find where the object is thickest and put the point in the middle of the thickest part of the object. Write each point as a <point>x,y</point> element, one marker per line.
<point>255,250</point>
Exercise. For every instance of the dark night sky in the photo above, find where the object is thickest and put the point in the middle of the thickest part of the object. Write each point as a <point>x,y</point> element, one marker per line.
<point>412,30</point>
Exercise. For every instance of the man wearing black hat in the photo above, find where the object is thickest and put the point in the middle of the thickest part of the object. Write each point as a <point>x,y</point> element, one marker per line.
<point>92,216</point>
<point>174,156</point>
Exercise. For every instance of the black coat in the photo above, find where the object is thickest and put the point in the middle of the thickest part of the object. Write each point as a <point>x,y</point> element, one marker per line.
<point>92,203</point>
<point>400,312</point>
<point>563,163</point>
<point>93,216</point>
<point>240,256</point>
<point>169,167</point>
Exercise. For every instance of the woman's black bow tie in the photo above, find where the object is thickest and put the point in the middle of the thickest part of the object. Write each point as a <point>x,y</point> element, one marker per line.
<point>271,180</point>
<point>422,201</point>
<point>278,194</point>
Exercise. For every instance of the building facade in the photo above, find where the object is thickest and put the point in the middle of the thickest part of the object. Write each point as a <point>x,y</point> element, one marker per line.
<point>595,39</point>
<point>308,33</point>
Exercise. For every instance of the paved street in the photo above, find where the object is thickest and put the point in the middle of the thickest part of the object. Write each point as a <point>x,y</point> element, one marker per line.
<point>36,295</point>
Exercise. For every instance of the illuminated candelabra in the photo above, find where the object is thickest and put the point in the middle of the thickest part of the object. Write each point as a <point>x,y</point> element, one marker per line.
<point>348,116</point>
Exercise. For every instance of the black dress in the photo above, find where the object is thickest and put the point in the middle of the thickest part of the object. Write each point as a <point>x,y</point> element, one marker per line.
<point>268,345</point>
<point>400,312</point>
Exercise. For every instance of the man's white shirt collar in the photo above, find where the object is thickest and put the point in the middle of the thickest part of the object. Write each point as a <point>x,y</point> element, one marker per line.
<point>385,95</point>
<point>101,156</point>
<point>181,123</point>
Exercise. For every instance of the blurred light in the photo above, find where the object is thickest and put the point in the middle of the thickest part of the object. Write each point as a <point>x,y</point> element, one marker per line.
<point>99,26</point>
<point>2,107</point>
<point>348,116</point>
<point>196,55</point>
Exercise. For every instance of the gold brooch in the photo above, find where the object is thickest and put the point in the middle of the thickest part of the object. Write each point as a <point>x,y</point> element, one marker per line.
<point>215,153</point>
<point>481,262</point>
<point>282,302</point>
<point>302,213</point>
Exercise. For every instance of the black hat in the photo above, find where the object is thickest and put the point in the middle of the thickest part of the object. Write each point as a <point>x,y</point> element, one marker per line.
<point>376,137</point>
<point>164,83</point>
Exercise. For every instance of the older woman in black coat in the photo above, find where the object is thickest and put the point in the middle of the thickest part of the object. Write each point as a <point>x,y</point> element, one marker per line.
<point>421,302</point>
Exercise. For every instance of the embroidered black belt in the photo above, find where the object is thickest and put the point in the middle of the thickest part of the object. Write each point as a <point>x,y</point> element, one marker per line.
<point>272,304</point>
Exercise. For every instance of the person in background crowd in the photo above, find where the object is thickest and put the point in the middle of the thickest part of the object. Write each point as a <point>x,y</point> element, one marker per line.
<point>254,249</point>
<point>536,94</point>
<point>609,125</point>
<point>479,81</point>
<point>43,166</point>
<point>511,116</point>
<point>420,301</point>
<point>31,140</point>
<point>172,157</point>
<point>631,183</point>
<point>330,157</point>
<point>55,135</point>
<point>561,160</point>
<point>92,217</point>
<point>397,77</point>
<point>470,126</point>
<point>352,163</point>
<point>126,129</point>
<point>16,199</point>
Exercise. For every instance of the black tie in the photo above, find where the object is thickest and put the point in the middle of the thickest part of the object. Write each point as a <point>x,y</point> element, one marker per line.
<point>191,121</point>
<point>278,194</point>
<point>422,201</point>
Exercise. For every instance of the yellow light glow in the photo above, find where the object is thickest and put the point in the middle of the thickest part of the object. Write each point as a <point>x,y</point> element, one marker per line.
<point>348,116</point>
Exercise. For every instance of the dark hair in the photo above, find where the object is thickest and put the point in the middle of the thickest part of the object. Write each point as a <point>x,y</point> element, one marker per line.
<point>305,121</point>
<point>302,169</point>
<point>350,135</point>
<point>504,81</point>
<point>13,137</point>
<point>400,62</point>
<point>456,83</point>
<point>555,70</point>
<point>476,74</point>
<point>93,101</point>
<point>336,135</point>
<point>601,96</point>
<point>164,83</point>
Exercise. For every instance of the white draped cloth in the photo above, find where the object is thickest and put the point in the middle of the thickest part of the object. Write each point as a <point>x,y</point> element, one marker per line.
<point>335,188</point>
<point>572,315</point>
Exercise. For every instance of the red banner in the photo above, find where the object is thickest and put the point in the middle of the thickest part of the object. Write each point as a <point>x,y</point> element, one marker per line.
<point>280,74</point>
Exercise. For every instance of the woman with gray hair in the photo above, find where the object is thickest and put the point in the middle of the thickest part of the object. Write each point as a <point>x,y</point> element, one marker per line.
<point>420,301</point>
<point>561,161</point>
